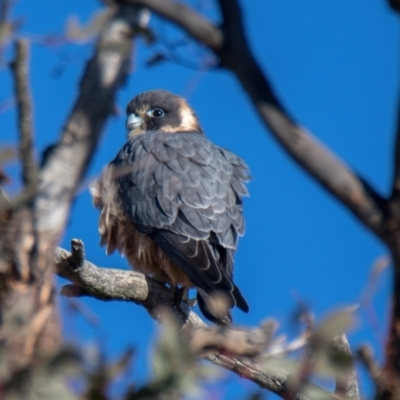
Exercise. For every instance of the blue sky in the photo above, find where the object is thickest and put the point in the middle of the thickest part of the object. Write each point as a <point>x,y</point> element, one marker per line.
<point>335,66</point>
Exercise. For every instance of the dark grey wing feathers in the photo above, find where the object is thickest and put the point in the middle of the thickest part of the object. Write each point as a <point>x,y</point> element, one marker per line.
<point>206,184</point>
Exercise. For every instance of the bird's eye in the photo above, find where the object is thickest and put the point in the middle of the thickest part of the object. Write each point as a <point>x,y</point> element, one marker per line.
<point>156,112</point>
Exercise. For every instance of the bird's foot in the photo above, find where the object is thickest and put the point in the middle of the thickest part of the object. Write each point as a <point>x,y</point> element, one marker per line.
<point>191,302</point>
<point>182,294</point>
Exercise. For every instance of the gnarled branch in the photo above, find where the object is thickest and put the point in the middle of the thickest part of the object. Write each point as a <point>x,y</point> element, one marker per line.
<point>240,347</point>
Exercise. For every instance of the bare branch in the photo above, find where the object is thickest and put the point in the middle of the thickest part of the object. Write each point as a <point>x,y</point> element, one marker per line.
<point>189,20</point>
<point>366,357</point>
<point>235,54</point>
<point>19,68</point>
<point>393,228</point>
<point>22,243</point>
<point>315,158</point>
<point>396,178</point>
<point>113,284</point>
<point>395,4</point>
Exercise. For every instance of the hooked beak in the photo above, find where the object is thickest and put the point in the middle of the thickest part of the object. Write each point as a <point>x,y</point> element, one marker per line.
<point>133,122</point>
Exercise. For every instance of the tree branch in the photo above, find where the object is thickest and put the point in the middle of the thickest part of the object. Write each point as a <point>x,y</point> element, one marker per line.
<point>112,284</point>
<point>19,67</point>
<point>393,228</point>
<point>231,46</point>
<point>197,26</point>
<point>331,172</point>
<point>395,4</point>
<point>366,357</point>
<point>28,237</point>
<point>396,177</point>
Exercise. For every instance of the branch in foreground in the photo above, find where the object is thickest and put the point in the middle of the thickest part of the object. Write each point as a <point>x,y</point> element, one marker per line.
<point>348,386</point>
<point>20,71</point>
<point>366,357</point>
<point>28,237</point>
<point>113,284</point>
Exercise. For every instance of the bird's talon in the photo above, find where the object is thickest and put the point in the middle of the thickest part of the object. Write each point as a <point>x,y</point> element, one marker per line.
<point>191,302</point>
<point>180,294</point>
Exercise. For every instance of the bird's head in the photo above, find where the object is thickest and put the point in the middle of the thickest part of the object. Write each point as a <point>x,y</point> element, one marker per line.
<point>159,110</point>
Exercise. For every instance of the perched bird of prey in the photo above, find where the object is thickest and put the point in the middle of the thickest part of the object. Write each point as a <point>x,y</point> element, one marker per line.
<point>171,202</point>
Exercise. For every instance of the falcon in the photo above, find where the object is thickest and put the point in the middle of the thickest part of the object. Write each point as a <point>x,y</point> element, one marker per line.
<point>171,202</point>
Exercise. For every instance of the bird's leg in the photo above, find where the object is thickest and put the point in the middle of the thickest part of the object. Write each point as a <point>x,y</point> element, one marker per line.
<point>182,294</point>
<point>191,302</point>
<point>163,278</point>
